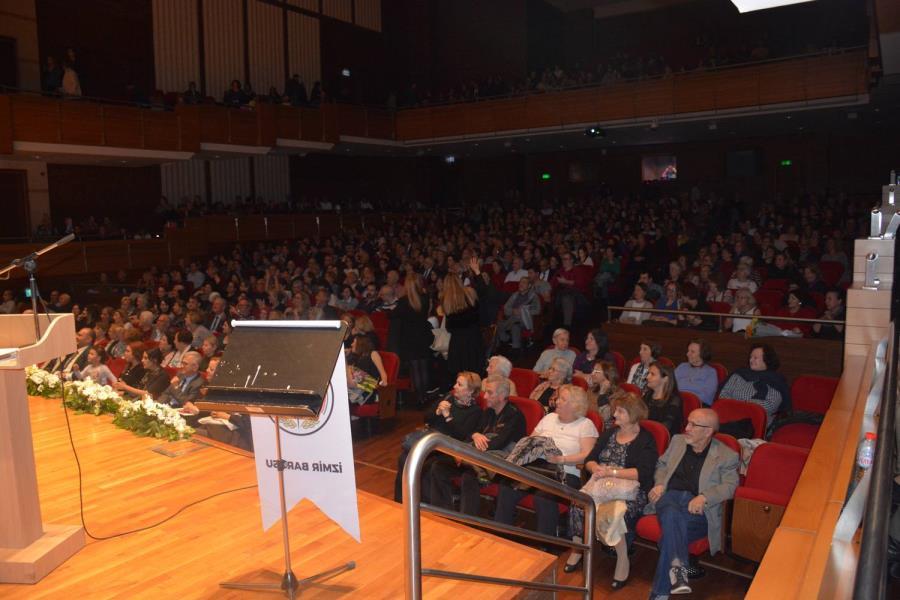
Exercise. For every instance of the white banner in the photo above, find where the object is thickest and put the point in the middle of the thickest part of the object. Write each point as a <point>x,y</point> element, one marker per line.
<point>318,455</point>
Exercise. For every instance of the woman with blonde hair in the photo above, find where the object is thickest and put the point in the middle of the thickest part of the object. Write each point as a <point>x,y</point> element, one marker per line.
<point>459,306</point>
<point>409,335</point>
<point>457,415</point>
<point>574,435</point>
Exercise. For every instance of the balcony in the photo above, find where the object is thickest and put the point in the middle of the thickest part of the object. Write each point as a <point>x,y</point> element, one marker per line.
<point>789,82</point>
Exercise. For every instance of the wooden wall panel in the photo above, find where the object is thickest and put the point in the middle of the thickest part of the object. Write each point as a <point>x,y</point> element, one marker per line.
<point>176,39</point>
<point>311,5</point>
<point>338,9</point>
<point>272,177</point>
<point>229,178</point>
<point>81,123</point>
<point>183,180</point>
<point>782,82</point>
<point>737,88</point>
<point>214,125</point>
<point>352,120</point>
<point>616,102</point>
<point>122,126</point>
<point>265,28</point>
<point>287,122</point>
<point>578,106</point>
<point>160,130</point>
<point>695,92</point>
<point>380,124</point>
<point>480,118</point>
<point>368,14</point>
<point>652,97</point>
<point>243,127</point>
<point>35,119</point>
<point>543,110</point>
<point>312,127</point>
<point>223,42</point>
<point>304,54</point>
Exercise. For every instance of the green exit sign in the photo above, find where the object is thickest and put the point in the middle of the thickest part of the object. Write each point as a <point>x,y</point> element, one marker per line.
<point>787,163</point>
<point>545,176</point>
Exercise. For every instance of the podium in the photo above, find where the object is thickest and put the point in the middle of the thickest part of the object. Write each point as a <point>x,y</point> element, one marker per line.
<point>29,548</point>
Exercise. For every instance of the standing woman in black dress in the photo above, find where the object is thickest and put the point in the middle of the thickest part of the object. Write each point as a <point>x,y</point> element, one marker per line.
<point>460,306</point>
<point>409,335</point>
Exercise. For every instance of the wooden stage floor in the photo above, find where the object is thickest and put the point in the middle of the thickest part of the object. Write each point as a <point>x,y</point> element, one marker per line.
<point>132,482</point>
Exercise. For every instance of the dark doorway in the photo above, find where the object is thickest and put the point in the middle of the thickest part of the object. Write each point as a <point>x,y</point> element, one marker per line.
<point>14,191</point>
<point>9,69</point>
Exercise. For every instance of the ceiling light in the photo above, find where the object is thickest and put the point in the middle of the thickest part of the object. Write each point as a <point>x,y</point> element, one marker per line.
<point>595,131</point>
<point>751,5</point>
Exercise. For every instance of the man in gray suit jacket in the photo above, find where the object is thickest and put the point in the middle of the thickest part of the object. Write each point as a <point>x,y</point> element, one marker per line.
<point>695,476</point>
<point>185,387</point>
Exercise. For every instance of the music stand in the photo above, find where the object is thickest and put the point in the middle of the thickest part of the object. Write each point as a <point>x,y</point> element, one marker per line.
<point>278,369</point>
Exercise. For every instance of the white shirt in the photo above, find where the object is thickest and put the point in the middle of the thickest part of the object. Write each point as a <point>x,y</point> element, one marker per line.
<point>566,436</point>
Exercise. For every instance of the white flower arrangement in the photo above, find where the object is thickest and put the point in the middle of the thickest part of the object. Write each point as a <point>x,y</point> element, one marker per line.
<point>147,417</point>
<point>87,396</point>
<point>39,382</point>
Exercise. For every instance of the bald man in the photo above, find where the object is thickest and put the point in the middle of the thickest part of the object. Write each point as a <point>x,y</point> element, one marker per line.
<point>694,478</point>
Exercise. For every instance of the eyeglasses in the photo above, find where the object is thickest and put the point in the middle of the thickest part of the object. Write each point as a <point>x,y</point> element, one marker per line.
<point>694,424</point>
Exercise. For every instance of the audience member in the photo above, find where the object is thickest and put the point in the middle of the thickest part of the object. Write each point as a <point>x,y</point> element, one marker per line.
<point>626,451</point>
<point>694,478</point>
<point>560,349</point>
<point>695,375</point>
<point>760,382</point>
<point>663,401</point>
<point>547,392</point>
<point>573,435</point>
<point>648,352</point>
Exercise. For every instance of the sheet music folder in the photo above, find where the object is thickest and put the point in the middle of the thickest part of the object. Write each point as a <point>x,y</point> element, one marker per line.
<point>276,368</point>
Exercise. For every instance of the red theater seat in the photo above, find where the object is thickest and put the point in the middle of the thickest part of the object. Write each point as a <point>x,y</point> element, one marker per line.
<point>532,410</point>
<point>730,410</point>
<point>525,379</point>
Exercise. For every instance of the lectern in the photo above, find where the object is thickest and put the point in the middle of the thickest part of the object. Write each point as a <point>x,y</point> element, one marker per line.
<point>29,548</point>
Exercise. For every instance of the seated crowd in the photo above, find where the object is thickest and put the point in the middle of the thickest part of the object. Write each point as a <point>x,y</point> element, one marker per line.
<point>398,286</point>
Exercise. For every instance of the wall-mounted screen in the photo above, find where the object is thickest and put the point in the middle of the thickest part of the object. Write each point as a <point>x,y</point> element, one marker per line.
<point>661,167</point>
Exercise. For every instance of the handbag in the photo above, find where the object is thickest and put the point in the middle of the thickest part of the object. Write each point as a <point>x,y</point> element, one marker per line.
<point>607,489</point>
<point>441,343</point>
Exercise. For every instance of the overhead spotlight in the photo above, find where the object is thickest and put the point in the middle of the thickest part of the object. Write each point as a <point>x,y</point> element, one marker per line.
<point>449,159</point>
<point>345,72</point>
<point>712,126</point>
<point>595,132</point>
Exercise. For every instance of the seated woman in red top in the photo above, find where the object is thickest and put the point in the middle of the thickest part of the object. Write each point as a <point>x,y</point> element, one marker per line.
<point>797,305</point>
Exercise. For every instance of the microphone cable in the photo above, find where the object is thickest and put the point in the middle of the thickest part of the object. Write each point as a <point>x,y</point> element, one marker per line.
<point>101,538</point>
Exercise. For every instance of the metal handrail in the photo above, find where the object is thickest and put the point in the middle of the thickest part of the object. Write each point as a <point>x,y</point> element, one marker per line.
<point>412,507</point>
<point>721,316</point>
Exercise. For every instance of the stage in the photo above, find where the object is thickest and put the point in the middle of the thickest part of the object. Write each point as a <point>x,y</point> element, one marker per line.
<point>132,482</point>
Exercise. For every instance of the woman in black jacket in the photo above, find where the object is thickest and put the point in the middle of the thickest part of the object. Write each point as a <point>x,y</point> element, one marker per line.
<point>410,337</point>
<point>663,400</point>
<point>627,451</point>
<point>456,415</point>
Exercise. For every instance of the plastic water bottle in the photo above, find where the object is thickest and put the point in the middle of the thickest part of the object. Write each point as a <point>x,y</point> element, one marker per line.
<point>866,454</point>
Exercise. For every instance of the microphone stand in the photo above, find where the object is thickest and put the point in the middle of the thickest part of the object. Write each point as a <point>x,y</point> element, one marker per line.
<point>28,264</point>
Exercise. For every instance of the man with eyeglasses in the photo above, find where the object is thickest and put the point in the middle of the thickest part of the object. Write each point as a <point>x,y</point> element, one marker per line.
<point>694,478</point>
